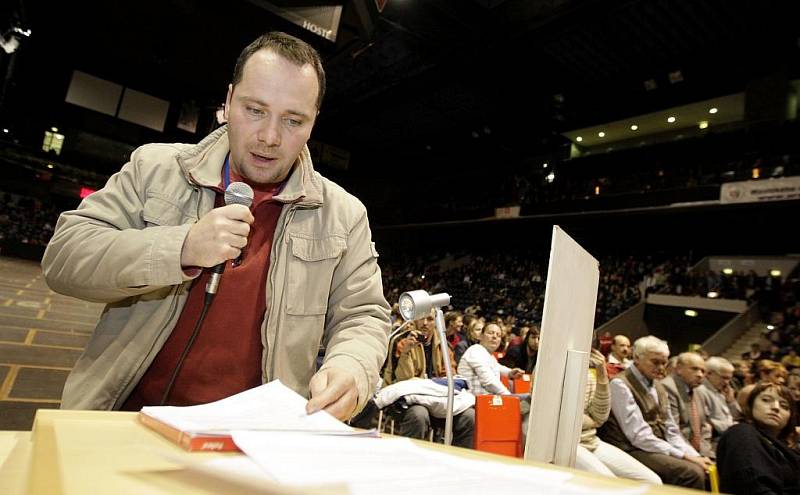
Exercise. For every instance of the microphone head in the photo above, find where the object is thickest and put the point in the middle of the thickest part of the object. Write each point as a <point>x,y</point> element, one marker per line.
<point>239,193</point>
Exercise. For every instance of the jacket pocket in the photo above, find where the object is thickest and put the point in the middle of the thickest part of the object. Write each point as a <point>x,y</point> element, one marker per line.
<point>310,272</point>
<point>159,211</point>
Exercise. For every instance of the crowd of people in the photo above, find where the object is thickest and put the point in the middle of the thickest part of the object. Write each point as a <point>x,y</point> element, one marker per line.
<point>26,220</point>
<point>512,284</point>
<point>651,414</point>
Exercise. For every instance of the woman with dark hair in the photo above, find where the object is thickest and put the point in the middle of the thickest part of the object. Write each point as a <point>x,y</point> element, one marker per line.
<point>758,456</point>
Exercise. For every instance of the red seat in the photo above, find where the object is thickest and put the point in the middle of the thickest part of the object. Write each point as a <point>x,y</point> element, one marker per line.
<point>506,382</point>
<point>522,385</point>
<point>498,425</point>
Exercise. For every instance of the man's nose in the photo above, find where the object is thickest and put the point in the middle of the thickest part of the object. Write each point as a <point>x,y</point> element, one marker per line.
<point>270,133</point>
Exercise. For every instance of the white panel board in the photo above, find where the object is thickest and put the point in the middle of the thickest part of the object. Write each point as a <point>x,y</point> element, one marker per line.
<point>93,93</point>
<point>567,324</point>
<point>143,109</point>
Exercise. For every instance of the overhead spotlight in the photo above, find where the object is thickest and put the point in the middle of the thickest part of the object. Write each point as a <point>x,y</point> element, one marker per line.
<point>550,177</point>
<point>579,139</point>
<point>634,127</point>
<point>671,119</point>
<point>544,165</point>
<point>50,165</point>
<point>5,131</point>
<point>703,124</point>
<point>713,294</point>
<point>775,273</point>
<point>601,134</point>
<point>713,110</point>
<point>690,312</point>
<point>475,134</point>
<point>770,327</point>
<point>727,271</point>
<point>54,129</point>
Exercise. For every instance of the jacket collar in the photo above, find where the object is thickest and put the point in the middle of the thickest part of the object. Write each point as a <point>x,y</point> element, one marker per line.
<point>202,165</point>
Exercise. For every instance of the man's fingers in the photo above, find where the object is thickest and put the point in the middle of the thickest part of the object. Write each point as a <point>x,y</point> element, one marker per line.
<point>237,212</point>
<point>343,407</point>
<point>334,392</point>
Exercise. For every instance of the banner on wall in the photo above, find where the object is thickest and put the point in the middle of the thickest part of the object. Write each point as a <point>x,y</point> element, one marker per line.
<point>755,191</point>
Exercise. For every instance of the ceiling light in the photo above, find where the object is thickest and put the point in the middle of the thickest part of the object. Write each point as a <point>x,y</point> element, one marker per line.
<point>544,165</point>
<point>634,127</point>
<point>775,273</point>
<point>49,165</point>
<point>713,110</point>
<point>727,271</point>
<point>670,119</point>
<point>601,134</point>
<point>579,139</point>
<point>5,131</point>
<point>770,327</point>
<point>703,124</point>
<point>690,312</point>
<point>54,129</point>
<point>550,177</point>
<point>712,294</point>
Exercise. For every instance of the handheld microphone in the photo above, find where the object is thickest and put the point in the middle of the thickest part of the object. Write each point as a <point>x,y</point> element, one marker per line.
<point>237,193</point>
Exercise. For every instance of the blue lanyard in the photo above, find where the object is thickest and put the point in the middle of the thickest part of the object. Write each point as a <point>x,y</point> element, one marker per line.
<point>226,172</point>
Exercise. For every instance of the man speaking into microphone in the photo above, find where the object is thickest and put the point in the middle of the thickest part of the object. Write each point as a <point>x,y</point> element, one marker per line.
<point>300,269</point>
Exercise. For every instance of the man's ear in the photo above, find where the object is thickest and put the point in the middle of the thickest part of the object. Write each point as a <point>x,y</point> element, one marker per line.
<point>228,101</point>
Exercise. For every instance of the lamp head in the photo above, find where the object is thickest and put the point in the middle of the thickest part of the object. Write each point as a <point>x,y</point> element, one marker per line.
<point>417,303</point>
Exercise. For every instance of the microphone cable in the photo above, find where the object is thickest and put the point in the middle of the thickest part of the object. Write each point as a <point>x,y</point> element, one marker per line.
<point>236,193</point>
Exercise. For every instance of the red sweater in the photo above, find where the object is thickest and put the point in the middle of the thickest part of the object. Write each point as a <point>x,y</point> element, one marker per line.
<point>225,358</point>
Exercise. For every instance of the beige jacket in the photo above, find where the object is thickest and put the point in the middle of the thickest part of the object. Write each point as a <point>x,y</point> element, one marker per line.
<point>122,247</point>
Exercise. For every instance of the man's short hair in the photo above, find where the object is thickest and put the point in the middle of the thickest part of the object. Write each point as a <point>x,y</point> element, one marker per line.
<point>718,364</point>
<point>684,357</point>
<point>450,317</point>
<point>287,46</point>
<point>651,343</point>
<point>614,340</point>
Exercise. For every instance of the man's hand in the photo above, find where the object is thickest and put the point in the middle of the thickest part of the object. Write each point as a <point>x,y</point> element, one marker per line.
<point>333,390</point>
<point>703,462</point>
<point>598,362</point>
<point>515,372</point>
<point>218,236</point>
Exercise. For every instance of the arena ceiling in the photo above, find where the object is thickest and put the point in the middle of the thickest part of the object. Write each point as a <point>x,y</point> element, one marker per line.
<point>455,84</point>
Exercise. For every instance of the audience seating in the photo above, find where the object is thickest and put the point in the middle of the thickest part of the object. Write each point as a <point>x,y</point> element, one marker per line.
<point>498,425</point>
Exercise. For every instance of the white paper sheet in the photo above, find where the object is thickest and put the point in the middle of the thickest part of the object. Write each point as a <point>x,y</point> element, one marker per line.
<point>267,407</point>
<point>388,466</point>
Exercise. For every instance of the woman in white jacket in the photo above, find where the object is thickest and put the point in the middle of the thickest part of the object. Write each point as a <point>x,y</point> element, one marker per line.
<point>481,369</point>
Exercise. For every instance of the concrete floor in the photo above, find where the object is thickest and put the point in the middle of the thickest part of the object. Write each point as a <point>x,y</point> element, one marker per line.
<point>41,336</point>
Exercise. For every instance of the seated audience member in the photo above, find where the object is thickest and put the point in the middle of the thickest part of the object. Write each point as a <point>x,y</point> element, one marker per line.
<point>741,374</point>
<point>759,456</point>
<point>453,325</point>
<point>791,360</point>
<point>480,368</point>
<point>419,355</point>
<point>595,455</point>
<point>794,386</point>
<point>770,371</point>
<point>524,356</point>
<point>718,397</point>
<point>641,424</point>
<point>754,354</point>
<point>687,407</point>
<point>619,357</point>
